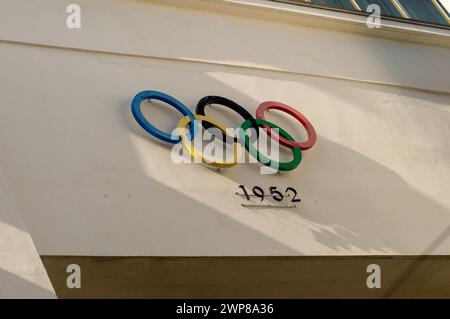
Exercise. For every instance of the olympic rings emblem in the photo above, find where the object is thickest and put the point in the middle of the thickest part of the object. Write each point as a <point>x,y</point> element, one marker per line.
<point>190,119</point>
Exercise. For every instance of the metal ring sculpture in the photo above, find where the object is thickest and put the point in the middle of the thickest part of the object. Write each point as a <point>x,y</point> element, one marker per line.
<point>191,120</point>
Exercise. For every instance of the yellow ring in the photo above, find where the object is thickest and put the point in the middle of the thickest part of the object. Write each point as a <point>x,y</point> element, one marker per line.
<point>187,143</point>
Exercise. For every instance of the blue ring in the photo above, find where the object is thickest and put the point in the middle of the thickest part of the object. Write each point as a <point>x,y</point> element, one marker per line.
<point>139,117</point>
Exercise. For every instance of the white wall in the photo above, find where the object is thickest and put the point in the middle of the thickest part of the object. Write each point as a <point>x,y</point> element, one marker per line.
<point>88,181</point>
<point>22,274</point>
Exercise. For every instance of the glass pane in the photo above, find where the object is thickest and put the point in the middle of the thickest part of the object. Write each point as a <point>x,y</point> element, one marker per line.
<point>340,4</point>
<point>423,11</point>
<point>387,7</point>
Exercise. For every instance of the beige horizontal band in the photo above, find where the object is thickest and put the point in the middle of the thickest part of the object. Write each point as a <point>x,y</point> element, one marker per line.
<point>251,277</point>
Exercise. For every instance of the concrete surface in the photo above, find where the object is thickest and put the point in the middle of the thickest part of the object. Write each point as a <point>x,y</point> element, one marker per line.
<point>88,181</point>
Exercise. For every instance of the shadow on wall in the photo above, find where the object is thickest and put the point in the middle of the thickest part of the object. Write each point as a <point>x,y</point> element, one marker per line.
<point>86,179</point>
<point>12,287</point>
<point>360,206</point>
<point>350,202</point>
<point>18,254</point>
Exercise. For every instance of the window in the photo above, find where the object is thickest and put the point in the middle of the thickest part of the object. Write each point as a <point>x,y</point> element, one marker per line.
<point>388,7</point>
<point>340,4</point>
<point>428,11</point>
<point>416,11</point>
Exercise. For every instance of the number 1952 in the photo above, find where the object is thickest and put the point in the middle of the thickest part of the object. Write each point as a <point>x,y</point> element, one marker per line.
<point>273,192</point>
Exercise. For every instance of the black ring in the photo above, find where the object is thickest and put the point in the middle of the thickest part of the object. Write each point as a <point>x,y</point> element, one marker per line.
<point>212,99</point>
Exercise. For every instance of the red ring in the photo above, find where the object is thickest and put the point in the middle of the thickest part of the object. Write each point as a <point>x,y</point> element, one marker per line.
<point>312,135</point>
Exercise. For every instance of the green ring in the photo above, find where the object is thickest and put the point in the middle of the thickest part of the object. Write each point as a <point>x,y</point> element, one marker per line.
<point>253,151</point>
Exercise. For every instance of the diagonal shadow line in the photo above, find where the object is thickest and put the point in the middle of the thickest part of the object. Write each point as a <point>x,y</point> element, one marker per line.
<point>426,255</point>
